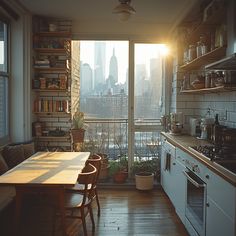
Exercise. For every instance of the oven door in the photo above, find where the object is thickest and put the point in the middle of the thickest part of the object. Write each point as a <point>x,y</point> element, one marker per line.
<point>195,202</point>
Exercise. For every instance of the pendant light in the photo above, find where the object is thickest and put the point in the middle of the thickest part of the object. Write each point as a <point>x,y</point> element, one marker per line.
<point>124,10</point>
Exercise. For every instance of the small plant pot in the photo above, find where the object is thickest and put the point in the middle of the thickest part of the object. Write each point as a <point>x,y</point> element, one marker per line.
<point>120,177</point>
<point>77,135</point>
<point>144,180</point>
<point>104,173</point>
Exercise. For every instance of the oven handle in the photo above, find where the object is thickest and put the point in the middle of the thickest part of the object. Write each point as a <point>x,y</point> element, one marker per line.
<point>195,183</point>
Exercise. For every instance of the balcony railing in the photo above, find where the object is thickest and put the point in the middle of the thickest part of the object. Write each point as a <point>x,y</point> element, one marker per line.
<point>110,136</point>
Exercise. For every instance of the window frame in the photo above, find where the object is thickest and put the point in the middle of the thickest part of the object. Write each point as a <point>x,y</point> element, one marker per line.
<point>5,75</point>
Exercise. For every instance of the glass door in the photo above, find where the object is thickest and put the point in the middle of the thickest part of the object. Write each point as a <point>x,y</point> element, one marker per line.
<point>146,99</point>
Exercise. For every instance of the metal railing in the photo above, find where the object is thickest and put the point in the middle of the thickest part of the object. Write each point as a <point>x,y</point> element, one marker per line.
<point>110,136</point>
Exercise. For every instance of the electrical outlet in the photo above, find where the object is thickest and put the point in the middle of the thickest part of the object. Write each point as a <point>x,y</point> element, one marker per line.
<point>222,115</point>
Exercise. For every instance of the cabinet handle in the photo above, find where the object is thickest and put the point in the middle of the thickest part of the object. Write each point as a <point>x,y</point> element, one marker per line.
<point>207,204</point>
<point>207,176</point>
<point>174,164</point>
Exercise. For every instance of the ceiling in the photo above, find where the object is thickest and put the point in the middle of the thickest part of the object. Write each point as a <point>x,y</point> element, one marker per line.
<point>94,17</point>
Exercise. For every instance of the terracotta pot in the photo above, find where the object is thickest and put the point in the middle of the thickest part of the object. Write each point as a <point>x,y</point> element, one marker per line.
<point>77,135</point>
<point>104,172</point>
<point>120,177</point>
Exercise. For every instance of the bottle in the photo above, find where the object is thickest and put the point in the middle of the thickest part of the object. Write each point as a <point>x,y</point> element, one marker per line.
<point>216,132</point>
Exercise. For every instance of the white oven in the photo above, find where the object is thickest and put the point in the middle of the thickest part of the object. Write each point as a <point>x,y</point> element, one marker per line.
<point>195,206</point>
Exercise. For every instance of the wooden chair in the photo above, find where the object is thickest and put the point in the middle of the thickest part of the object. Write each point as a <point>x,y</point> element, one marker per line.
<point>81,202</point>
<point>96,161</point>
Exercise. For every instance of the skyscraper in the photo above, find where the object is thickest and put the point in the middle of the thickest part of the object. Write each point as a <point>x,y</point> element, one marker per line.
<point>113,68</point>
<point>99,64</point>
<point>86,80</point>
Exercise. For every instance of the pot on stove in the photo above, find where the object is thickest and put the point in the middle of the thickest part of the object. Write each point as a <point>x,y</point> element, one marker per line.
<point>229,137</point>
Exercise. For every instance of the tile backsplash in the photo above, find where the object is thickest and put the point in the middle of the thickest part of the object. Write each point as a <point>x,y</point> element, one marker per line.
<point>201,105</point>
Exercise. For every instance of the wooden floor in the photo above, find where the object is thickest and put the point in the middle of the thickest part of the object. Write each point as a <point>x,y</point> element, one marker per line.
<point>123,212</point>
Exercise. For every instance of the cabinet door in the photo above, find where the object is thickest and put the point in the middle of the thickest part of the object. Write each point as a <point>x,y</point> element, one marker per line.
<point>222,193</point>
<point>218,223</point>
<point>166,181</point>
<point>179,189</point>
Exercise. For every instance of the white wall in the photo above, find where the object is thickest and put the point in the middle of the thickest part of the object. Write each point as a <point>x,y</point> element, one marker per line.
<point>20,79</point>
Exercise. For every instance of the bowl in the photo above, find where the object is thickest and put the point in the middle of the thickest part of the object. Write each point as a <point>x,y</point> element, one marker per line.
<point>198,85</point>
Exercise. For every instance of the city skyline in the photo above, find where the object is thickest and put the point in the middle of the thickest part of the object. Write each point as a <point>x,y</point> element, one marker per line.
<point>87,54</point>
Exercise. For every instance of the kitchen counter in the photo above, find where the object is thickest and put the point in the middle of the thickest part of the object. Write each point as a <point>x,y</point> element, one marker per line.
<point>185,141</point>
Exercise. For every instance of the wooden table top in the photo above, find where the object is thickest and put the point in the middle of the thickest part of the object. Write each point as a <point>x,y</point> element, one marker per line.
<point>47,168</point>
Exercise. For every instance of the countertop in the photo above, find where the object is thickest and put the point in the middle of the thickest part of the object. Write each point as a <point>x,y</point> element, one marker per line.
<point>185,141</point>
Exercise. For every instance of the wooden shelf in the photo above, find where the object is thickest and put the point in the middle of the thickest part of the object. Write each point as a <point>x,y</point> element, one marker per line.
<point>51,50</point>
<point>217,17</point>
<point>51,69</point>
<point>51,90</point>
<point>55,114</point>
<point>223,88</point>
<point>214,55</point>
<point>54,34</point>
<point>54,138</point>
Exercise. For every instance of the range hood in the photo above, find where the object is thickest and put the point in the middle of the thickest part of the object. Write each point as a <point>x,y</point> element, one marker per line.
<point>227,63</point>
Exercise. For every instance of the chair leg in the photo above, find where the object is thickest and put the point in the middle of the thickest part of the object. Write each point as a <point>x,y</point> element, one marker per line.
<point>97,200</point>
<point>83,221</point>
<point>91,217</point>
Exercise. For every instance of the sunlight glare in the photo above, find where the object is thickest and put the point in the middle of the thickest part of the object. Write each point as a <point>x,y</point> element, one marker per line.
<point>164,50</point>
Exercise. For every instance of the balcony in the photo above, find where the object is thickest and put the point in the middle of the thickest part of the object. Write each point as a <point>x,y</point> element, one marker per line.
<point>110,136</point>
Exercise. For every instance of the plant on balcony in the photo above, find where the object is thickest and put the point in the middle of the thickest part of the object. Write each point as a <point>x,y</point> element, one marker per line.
<point>96,145</point>
<point>78,127</point>
<point>119,170</point>
<point>144,173</point>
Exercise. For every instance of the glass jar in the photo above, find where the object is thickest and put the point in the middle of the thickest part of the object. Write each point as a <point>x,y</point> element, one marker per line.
<point>191,52</point>
<point>199,49</point>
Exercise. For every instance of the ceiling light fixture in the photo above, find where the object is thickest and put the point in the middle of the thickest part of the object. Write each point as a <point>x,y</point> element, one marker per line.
<point>124,10</point>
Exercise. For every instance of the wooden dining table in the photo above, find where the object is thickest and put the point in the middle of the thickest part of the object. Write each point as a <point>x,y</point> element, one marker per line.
<point>49,172</point>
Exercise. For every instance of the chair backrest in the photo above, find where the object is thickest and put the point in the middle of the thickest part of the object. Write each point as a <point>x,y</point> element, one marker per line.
<point>96,161</point>
<point>88,178</point>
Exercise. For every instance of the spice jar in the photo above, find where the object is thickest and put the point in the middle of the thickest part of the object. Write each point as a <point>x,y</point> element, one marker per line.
<point>191,52</point>
<point>208,80</point>
<point>199,49</point>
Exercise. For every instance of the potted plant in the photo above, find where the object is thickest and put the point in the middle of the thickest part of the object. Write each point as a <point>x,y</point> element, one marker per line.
<point>119,170</point>
<point>96,145</point>
<point>144,173</point>
<point>78,130</point>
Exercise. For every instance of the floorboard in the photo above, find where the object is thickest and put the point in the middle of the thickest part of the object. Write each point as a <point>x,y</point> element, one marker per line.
<point>123,212</point>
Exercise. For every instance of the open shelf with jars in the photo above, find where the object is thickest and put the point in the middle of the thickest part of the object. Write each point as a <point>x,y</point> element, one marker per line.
<point>217,89</point>
<point>51,83</point>
<point>205,59</point>
<point>205,43</point>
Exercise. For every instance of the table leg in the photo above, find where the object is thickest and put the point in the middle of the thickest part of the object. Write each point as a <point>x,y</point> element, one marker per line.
<point>18,203</point>
<point>62,209</point>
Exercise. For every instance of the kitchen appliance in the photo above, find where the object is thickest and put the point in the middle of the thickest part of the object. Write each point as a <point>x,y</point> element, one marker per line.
<point>206,128</point>
<point>195,127</point>
<point>176,122</point>
<point>195,208</point>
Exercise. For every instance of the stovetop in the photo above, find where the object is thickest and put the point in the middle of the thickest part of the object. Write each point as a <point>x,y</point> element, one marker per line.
<point>225,157</point>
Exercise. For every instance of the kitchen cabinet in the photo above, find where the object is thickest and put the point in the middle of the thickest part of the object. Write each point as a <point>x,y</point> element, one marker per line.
<point>51,84</point>
<point>221,206</point>
<point>218,222</point>
<point>167,160</point>
<point>179,184</point>
<point>172,178</point>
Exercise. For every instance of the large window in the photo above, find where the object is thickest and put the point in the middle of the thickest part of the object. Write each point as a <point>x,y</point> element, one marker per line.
<point>121,96</point>
<point>4,79</point>
<point>104,79</point>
